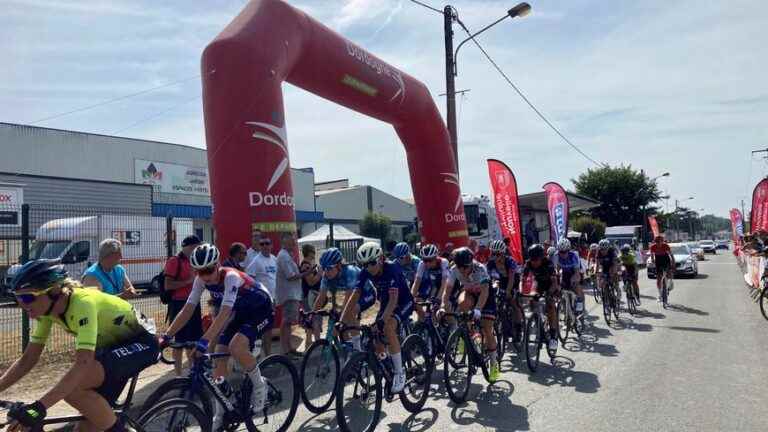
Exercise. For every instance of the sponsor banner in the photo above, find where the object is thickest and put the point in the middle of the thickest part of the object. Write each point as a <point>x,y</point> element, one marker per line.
<point>172,178</point>
<point>11,199</point>
<point>737,230</point>
<point>758,220</point>
<point>274,227</point>
<point>654,226</point>
<point>505,200</point>
<point>557,203</point>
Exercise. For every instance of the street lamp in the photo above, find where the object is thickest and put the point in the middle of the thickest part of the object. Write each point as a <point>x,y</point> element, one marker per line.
<point>677,216</point>
<point>451,69</point>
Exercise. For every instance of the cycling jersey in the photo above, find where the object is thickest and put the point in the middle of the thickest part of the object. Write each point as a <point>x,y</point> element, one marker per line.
<point>250,301</point>
<point>607,261</point>
<point>661,253</point>
<point>409,270</point>
<point>472,284</point>
<point>97,319</point>
<point>502,275</point>
<point>432,278</point>
<point>628,260</point>
<point>389,281</point>
<point>345,280</point>
<point>569,263</point>
<point>540,278</point>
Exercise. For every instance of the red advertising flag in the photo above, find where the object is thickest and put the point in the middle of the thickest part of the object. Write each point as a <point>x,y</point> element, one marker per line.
<point>557,203</point>
<point>504,192</point>
<point>758,219</point>
<point>654,226</point>
<point>737,230</point>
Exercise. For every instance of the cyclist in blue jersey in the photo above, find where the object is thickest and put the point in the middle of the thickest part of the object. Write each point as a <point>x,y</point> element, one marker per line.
<point>407,262</point>
<point>505,270</point>
<point>395,303</point>
<point>569,264</point>
<point>338,277</point>
<point>431,275</point>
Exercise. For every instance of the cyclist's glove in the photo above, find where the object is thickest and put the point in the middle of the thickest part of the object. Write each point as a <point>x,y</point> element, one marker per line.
<point>476,314</point>
<point>164,341</point>
<point>30,415</point>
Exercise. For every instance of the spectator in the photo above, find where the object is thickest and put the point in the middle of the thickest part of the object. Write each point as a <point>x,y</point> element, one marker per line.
<point>483,253</point>
<point>107,274</point>
<point>263,268</point>
<point>310,287</point>
<point>237,257</point>
<point>255,249</point>
<point>178,279</point>
<point>288,292</point>
<point>531,232</point>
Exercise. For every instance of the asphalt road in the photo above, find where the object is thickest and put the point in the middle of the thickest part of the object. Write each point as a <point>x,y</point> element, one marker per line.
<point>699,366</point>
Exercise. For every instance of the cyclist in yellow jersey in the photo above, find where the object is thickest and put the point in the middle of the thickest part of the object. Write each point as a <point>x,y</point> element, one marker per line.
<point>113,343</point>
<point>629,261</point>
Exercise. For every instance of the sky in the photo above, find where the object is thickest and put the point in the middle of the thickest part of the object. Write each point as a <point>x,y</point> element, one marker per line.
<point>666,86</point>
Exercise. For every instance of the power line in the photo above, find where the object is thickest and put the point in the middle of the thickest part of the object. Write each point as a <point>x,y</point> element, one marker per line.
<point>427,6</point>
<point>527,101</point>
<point>156,115</point>
<point>113,100</point>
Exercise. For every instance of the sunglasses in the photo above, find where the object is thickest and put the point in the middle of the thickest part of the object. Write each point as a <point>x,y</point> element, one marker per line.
<point>30,297</point>
<point>266,243</point>
<point>370,263</point>
<point>206,271</point>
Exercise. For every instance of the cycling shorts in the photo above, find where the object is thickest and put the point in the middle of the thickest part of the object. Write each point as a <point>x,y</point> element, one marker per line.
<point>662,262</point>
<point>124,361</point>
<point>253,315</point>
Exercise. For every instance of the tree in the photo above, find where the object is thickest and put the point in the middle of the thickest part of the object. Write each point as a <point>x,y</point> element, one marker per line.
<point>624,193</point>
<point>593,228</point>
<point>376,225</point>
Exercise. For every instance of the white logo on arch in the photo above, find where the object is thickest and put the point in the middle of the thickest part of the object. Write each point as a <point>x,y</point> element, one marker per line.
<point>280,138</point>
<point>453,178</point>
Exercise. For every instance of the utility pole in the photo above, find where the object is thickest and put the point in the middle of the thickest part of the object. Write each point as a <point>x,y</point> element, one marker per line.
<point>450,83</point>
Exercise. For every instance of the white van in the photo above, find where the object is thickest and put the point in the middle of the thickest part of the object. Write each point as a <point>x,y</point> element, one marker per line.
<point>76,242</point>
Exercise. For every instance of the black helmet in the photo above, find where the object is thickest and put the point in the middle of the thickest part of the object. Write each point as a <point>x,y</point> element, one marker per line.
<point>536,251</point>
<point>40,274</point>
<point>463,257</point>
<point>626,248</point>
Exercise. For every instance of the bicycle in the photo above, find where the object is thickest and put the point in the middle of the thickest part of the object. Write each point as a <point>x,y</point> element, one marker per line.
<point>507,333</point>
<point>232,403</point>
<point>184,415</point>
<point>536,332</point>
<point>566,311</point>
<point>764,299</point>
<point>434,334</point>
<point>664,290</point>
<point>592,282</point>
<point>321,366</point>
<point>633,298</point>
<point>610,298</point>
<point>464,350</point>
<point>363,373</point>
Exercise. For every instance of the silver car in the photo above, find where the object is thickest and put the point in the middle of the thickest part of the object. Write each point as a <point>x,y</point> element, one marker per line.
<point>686,263</point>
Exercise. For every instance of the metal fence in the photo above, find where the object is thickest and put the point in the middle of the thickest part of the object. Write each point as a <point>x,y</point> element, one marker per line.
<point>73,234</point>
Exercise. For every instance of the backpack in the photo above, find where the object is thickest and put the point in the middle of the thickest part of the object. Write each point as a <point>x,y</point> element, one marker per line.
<point>167,295</point>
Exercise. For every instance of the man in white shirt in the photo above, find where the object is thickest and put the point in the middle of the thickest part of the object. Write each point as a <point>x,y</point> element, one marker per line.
<point>254,250</point>
<point>289,293</point>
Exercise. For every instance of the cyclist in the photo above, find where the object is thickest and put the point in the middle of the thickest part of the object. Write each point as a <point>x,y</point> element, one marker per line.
<point>476,295</point>
<point>569,264</point>
<point>113,343</point>
<point>551,252</point>
<point>540,273</point>
<point>502,268</point>
<point>338,277</point>
<point>246,311</point>
<point>663,261</point>
<point>629,262</point>
<point>407,262</point>
<point>607,263</point>
<point>430,276</point>
<point>592,257</point>
<point>395,303</point>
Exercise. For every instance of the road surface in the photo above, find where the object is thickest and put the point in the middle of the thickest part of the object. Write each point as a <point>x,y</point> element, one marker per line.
<point>700,366</point>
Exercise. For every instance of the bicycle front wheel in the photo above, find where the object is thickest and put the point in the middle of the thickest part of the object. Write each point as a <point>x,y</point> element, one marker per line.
<point>282,401</point>
<point>764,303</point>
<point>180,388</point>
<point>457,366</point>
<point>359,395</point>
<point>418,373</point>
<point>320,370</point>
<point>564,318</point>
<point>176,414</point>
<point>607,305</point>
<point>533,342</point>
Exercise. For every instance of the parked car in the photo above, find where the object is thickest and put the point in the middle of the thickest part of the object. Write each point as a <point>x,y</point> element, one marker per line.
<point>697,250</point>
<point>708,246</point>
<point>686,263</point>
<point>722,244</point>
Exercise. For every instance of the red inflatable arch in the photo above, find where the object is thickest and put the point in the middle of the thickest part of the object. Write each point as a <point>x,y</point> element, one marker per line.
<point>243,71</point>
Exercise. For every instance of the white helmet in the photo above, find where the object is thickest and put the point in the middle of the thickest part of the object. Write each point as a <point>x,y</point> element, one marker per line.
<point>593,247</point>
<point>429,251</point>
<point>564,245</point>
<point>604,244</point>
<point>552,251</point>
<point>368,252</point>
<point>498,246</point>
<point>204,256</point>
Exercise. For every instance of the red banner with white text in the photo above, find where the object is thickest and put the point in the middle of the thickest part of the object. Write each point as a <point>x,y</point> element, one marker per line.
<point>504,192</point>
<point>557,203</point>
<point>758,220</point>
<point>654,226</point>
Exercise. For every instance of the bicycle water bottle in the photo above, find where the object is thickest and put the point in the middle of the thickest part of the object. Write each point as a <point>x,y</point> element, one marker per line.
<point>477,341</point>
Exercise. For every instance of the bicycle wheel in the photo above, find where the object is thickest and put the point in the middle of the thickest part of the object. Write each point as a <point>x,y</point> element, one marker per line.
<point>631,306</point>
<point>457,366</point>
<point>359,395</point>
<point>595,291</point>
<point>320,370</point>
<point>606,294</point>
<point>180,388</point>
<point>421,329</point>
<point>282,396</point>
<point>764,303</point>
<point>418,373</point>
<point>563,318</point>
<point>176,415</point>
<point>501,338</point>
<point>533,342</point>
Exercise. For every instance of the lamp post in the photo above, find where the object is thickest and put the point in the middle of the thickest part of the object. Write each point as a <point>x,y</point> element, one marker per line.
<point>451,70</point>
<point>677,216</point>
